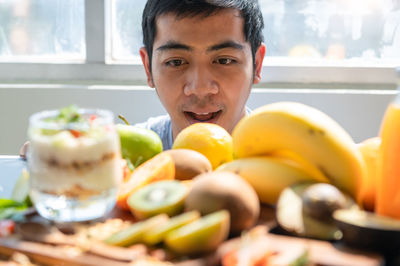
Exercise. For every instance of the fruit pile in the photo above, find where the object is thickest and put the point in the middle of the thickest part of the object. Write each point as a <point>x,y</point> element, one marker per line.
<point>210,185</point>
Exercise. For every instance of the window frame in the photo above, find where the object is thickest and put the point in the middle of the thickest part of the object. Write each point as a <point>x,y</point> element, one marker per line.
<point>98,68</point>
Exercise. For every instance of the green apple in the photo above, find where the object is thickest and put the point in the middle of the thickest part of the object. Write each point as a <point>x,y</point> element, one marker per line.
<point>202,235</point>
<point>138,144</point>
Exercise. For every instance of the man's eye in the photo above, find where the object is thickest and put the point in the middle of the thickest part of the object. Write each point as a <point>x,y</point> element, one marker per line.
<point>225,61</point>
<point>174,62</point>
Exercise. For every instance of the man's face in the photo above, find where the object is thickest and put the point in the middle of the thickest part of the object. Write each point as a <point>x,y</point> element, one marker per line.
<point>202,68</point>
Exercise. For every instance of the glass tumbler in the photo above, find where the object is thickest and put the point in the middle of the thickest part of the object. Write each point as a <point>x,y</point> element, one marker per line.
<point>74,162</point>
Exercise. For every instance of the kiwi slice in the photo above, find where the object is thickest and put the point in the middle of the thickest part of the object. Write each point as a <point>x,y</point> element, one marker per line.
<point>134,233</point>
<point>157,235</point>
<point>159,197</point>
<point>200,236</point>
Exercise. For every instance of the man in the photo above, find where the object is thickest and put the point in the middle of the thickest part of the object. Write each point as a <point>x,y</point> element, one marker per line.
<point>202,57</point>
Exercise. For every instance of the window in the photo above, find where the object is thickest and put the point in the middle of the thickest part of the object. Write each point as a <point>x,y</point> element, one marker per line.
<point>41,30</point>
<point>98,41</point>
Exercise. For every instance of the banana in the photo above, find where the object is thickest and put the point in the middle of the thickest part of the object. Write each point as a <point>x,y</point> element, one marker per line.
<point>305,131</point>
<point>270,175</point>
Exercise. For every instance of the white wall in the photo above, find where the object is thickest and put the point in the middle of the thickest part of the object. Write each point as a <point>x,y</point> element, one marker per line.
<point>358,111</point>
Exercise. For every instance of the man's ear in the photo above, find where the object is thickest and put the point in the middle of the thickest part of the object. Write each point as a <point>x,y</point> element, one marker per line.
<point>146,63</point>
<point>259,58</point>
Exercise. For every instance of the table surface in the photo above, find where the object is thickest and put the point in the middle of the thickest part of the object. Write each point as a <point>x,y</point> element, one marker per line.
<point>10,170</point>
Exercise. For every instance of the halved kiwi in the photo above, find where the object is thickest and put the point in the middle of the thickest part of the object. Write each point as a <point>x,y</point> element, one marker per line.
<point>159,197</point>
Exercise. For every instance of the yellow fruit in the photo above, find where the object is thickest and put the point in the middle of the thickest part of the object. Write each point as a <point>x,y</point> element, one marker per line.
<point>369,149</point>
<point>211,140</point>
<point>269,175</point>
<point>160,167</point>
<point>305,131</point>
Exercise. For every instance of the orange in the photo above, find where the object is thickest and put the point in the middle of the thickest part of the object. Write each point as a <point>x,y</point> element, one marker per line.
<point>369,149</point>
<point>211,140</point>
<point>160,167</point>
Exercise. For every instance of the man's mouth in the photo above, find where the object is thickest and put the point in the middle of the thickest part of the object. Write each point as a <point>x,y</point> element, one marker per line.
<point>202,117</point>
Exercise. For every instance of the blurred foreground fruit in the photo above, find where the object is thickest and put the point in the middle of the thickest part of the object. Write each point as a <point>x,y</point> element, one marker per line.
<point>134,233</point>
<point>369,149</point>
<point>158,234</point>
<point>294,217</point>
<point>138,144</point>
<point>270,175</point>
<point>211,140</point>
<point>189,163</point>
<point>165,196</point>
<point>160,167</point>
<point>305,131</point>
<point>202,235</point>
<point>225,190</point>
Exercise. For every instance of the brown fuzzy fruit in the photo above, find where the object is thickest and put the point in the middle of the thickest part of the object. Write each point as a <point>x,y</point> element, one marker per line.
<point>225,190</point>
<point>189,163</point>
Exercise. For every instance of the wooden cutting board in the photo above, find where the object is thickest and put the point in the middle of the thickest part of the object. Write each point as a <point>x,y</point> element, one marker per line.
<point>319,252</point>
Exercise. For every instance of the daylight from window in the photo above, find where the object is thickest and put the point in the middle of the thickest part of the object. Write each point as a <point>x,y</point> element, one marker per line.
<point>311,29</point>
<point>46,29</point>
<point>327,29</point>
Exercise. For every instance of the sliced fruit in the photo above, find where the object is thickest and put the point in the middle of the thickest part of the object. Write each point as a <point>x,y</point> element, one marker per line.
<point>159,197</point>
<point>292,218</point>
<point>160,167</point>
<point>321,200</point>
<point>189,163</point>
<point>157,235</point>
<point>134,233</point>
<point>200,236</point>
<point>211,140</point>
<point>225,190</point>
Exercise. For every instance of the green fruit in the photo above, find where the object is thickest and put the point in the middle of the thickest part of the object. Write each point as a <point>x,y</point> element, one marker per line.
<point>202,235</point>
<point>157,235</point>
<point>159,197</point>
<point>134,233</point>
<point>138,144</point>
<point>20,192</point>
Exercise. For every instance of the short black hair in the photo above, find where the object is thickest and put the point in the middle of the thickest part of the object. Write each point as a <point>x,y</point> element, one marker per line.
<point>249,10</point>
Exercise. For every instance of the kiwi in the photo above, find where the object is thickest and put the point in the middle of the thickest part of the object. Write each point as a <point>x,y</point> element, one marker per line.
<point>158,197</point>
<point>134,233</point>
<point>200,236</point>
<point>157,235</point>
<point>215,191</point>
<point>189,163</point>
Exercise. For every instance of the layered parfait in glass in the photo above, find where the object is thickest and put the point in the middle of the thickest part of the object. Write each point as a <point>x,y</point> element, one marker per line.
<point>74,161</point>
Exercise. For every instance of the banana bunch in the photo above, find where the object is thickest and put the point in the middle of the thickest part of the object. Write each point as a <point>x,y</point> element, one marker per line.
<point>283,143</point>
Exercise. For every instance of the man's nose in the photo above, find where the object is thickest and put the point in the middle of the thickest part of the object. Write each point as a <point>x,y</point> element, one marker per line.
<point>200,82</point>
